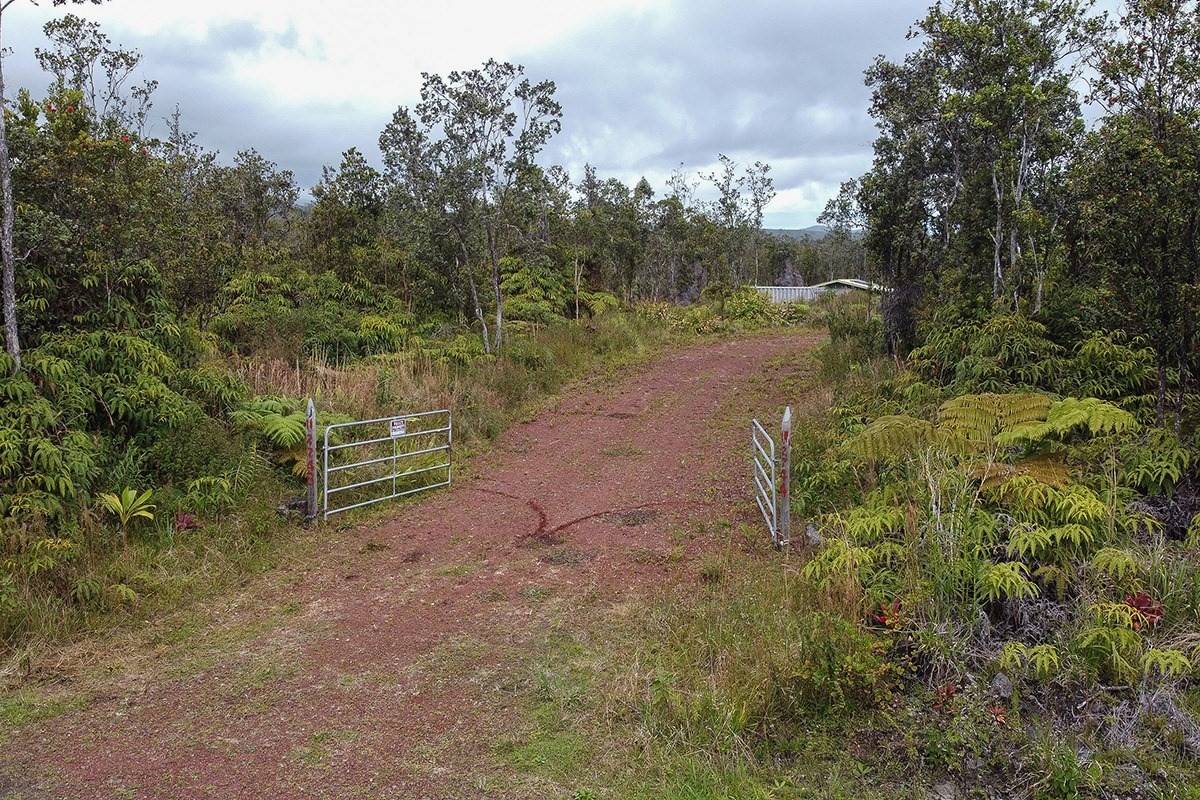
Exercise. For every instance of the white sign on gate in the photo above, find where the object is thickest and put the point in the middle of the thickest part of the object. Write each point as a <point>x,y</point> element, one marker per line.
<point>399,427</point>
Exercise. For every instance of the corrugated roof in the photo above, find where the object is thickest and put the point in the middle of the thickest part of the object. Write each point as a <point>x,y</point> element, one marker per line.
<point>853,283</point>
<point>850,283</point>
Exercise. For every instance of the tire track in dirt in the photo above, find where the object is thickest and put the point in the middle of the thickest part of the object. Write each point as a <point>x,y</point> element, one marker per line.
<point>356,694</point>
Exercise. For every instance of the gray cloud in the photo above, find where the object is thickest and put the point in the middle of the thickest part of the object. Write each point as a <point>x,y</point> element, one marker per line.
<point>642,92</point>
<point>773,81</point>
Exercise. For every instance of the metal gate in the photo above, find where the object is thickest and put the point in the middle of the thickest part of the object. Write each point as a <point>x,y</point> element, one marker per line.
<point>772,477</point>
<point>373,460</point>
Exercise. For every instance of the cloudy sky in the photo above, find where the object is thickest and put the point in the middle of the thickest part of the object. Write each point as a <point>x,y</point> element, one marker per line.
<point>646,85</point>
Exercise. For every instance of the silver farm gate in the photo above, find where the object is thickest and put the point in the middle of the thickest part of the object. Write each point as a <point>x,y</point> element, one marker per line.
<point>771,477</point>
<point>373,460</point>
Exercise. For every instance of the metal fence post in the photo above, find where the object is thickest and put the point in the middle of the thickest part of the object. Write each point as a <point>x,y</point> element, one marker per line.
<point>785,481</point>
<point>310,441</point>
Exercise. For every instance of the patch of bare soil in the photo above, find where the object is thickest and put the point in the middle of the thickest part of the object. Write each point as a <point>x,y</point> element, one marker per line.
<point>359,692</point>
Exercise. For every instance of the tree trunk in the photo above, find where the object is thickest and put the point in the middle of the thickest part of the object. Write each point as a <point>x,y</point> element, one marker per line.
<point>487,344</point>
<point>997,239</point>
<point>577,275</point>
<point>497,295</point>
<point>499,334</point>
<point>8,285</point>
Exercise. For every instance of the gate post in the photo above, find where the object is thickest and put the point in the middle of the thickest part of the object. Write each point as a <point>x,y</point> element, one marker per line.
<point>310,443</point>
<point>785,481</point>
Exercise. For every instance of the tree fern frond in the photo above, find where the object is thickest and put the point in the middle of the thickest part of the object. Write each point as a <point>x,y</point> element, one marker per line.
<point>1045,469</point>
<point>891,437</point>
<point>1069,415</point>
<point>980,417</point>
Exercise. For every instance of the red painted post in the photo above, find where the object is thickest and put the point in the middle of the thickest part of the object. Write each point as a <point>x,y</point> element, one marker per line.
<point>310,436</point>
<point>785,481</point>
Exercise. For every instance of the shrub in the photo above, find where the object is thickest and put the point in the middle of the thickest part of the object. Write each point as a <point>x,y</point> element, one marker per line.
<point>1004,353</point>
<point>751,308</point>
<point>854,328</point>
<point>752,663</point>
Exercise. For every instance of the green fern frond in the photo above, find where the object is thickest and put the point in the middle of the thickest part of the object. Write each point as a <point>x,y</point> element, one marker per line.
<point>890,437</point>
<point>870,523</point>
<point>1167,663</point>
<point>1111,648</point>
<point>980,417</point>
<point>1007,580</point>
<point>284,431</point>
<point>1028,541</point>
<point>1045,660</point>
<point>1046,469</point>
<point>1121,615</point>
<point>1079,505</point>
<point>1077,536</point>
<point>1069,415</point>
<point>1012,657</point>
<point>1119,565</point>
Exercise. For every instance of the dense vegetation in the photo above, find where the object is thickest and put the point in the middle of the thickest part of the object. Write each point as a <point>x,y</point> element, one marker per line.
<point>171,309</point>
<point>999,513</point>
<point>1000,587</point>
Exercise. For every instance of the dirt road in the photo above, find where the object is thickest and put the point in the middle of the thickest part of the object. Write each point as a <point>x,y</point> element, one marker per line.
<point>339,680</point>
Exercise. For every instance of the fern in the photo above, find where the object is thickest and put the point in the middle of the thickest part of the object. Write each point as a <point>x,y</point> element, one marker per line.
<point>284,430</point>
<point>1029,541</point>
<point>1078,505</point>
<point>1113,649</point>
<point>1193,532</point>
<point>1013,657</point>
<point>871,523</point>
<point>1042,660</point>
<point>210,494</point>
<point>978,418</point>
<point>1076,536</point>
<point>1167,663</point>
<point>1007,580</point>
<point>1045,469</point>
<point>1105,366</point>
<point>248,468</point>
<point>123,593</point>
<point>1069,415</point>
<point>891,437</point>
<point>1118,565</point>
<point>1157,464</point>
<point>1045,660</point>
<point>1054,576</point>
<point>838,557</point>
<point>1120,615</point>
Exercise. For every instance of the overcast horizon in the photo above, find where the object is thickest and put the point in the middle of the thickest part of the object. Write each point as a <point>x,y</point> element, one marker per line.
<point>646,86</point>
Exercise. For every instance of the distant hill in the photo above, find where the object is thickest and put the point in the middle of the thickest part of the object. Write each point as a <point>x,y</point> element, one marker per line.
<point>813,233</point>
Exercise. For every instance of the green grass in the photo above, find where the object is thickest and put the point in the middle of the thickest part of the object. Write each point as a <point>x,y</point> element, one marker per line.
<point>551,754</point>
<point>317,752</point>
<point>25,707</point>
<point>535,593</point>
<point>622,451</point>
<point>651,702</point>
<point>461,570</point>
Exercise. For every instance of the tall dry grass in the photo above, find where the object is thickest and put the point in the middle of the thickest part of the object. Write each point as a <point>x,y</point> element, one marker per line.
<point>485,392</point>
<point>380,386</point>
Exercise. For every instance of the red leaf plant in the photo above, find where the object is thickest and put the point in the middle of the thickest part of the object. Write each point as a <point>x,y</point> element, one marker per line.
<point>1150,611</point>
<point>185,521</point>
<point>944,696</point>
<point>889,616</point>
